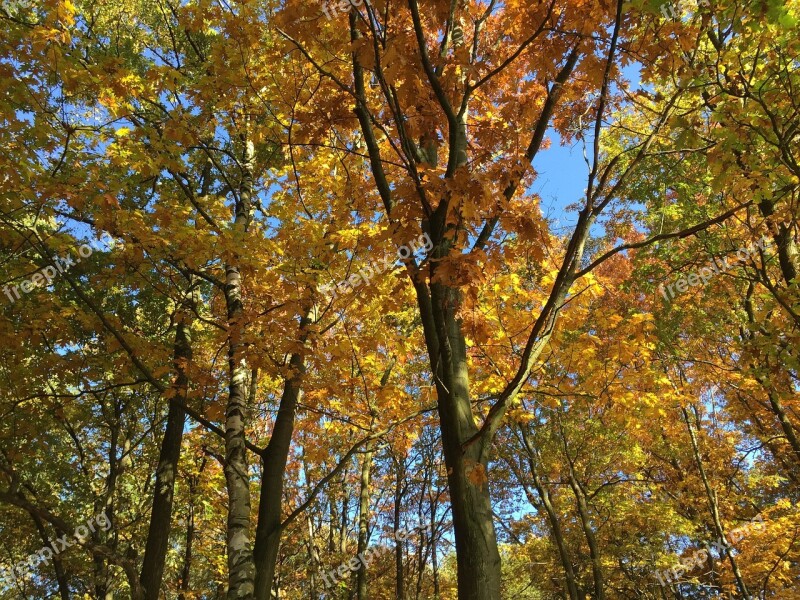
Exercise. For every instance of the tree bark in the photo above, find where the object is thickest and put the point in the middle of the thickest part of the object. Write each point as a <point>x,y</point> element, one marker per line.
<point>477,555</point>
<point>241,568</point>
<point>273,460</point>
<point>784,241</point>
<point>588,532</point>
<point>58,566</point>
<point>363,523</point>
<point>400,592</point>
<point>187,553</point>
<point>552,516</point>
<point>161,515</point>
<point>780,413</point>
<point>186,571</point>
<point>313,558</point>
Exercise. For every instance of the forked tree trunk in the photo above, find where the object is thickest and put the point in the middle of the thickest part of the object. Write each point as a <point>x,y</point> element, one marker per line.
<point>588,532</point>
<point>466,451</point>
<point>274,459</point>
<point>477,555</point>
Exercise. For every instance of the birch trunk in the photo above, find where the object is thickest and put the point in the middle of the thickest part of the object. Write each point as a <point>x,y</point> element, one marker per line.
<point>241,568</point>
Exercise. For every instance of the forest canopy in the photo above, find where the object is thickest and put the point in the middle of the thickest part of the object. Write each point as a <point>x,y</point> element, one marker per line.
<point>298,301</point>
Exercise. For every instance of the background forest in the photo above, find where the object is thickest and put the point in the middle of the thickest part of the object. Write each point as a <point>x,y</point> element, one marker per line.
<point>286,312</point>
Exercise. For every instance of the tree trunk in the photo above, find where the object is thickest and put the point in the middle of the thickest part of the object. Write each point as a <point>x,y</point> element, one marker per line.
<point>274,459</point>
<point>241,569</point>
<point>187,554</point>
<point>588,532</point>
<point>161,515</point>
<point>476,541</point>
<point>435,565</point>
<point>58,566</point>
<point>712,502</point>
<point>758,370</point>
<point>784,241</point>
<point>186,571</point>
<point>585,519</point>
<point>343,515</point>
<point>332,516</point>
<point>477,555</point>
<point>363,523</point>
<point>400,592</point>
<point>765,434</point>
<point>313,558</point>
<point>552,517</point>
<point>780,413</point>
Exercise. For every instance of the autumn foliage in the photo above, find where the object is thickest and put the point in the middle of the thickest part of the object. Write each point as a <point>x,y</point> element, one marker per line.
<point>280,280</point>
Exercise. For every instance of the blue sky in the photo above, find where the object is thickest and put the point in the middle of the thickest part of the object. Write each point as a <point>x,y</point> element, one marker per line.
<point>561,180</point>
<point>562,170</point>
